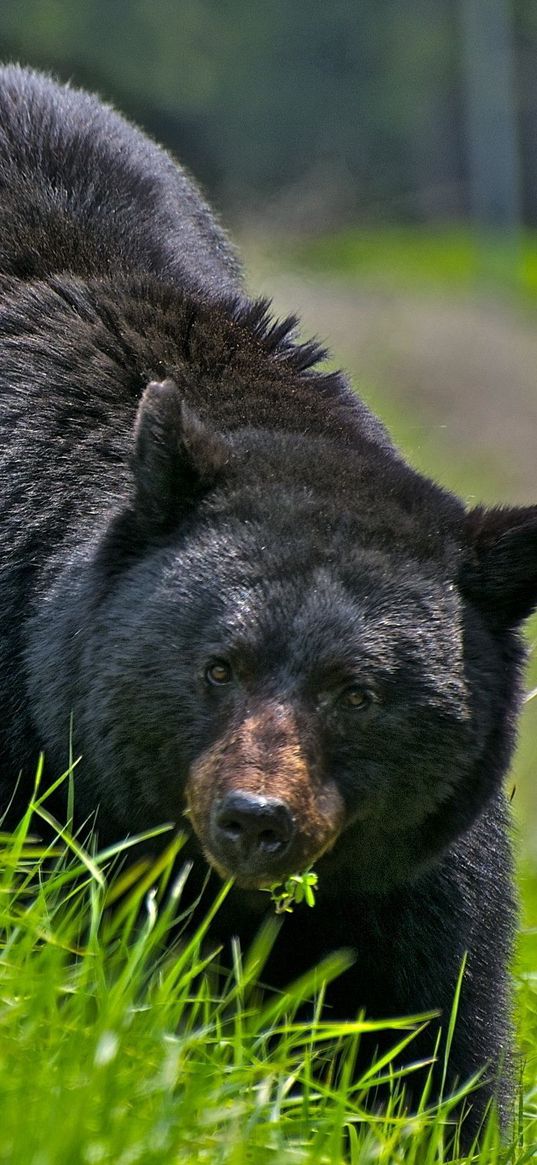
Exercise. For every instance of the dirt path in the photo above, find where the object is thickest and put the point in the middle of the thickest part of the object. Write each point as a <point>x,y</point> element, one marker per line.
<point>463,368</point>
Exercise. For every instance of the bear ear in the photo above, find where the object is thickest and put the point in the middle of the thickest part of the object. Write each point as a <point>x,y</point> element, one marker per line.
<point>500,572</point>
<point>176,456</point>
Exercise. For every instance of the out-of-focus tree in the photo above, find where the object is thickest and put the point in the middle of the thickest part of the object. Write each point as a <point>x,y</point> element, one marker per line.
<point>491,120</point>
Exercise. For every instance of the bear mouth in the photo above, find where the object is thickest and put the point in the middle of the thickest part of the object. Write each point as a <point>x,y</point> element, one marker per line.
<point>254,876</point>
<point>264,849</point>
<point>242,878</point>
<point>246,879</point>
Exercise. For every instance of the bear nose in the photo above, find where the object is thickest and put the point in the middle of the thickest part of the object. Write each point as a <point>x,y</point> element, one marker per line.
<point>253,831</point>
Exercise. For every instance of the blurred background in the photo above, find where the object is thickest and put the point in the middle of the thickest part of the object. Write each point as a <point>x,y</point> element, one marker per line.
<point>377,164</point>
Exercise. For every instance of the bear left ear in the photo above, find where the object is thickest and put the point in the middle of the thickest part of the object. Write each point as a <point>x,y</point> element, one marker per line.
<point>176,456</point>
<point>500,572</point>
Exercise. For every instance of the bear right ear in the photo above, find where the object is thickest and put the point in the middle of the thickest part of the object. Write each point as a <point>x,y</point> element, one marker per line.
<point>499,574</point>
<point>176,457</point>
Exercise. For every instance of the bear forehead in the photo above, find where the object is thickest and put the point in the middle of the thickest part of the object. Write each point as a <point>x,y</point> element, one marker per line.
<point>328,559</point>
<point>364,615</point>
<point>268,603</point>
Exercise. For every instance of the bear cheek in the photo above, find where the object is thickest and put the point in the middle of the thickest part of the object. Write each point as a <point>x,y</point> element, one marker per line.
<point>245,764</point>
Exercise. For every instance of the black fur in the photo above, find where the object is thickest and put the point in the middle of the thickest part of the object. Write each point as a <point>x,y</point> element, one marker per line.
<point>180,483</point>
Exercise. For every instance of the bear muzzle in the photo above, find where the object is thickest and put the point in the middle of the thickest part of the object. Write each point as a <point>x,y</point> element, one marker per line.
<point>259,808</point>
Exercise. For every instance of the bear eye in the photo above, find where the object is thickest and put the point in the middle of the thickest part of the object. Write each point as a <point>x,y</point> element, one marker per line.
<point>356,697</point>
<point>218,672</point>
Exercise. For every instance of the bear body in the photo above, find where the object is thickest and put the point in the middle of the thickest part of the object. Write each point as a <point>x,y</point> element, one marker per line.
<point>263,625</point>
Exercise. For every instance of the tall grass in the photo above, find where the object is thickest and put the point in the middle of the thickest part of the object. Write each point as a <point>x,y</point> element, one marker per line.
<point>123,1041</point>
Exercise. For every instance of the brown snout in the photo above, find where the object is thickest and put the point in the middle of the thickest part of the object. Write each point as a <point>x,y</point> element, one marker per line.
<point>258,807</point>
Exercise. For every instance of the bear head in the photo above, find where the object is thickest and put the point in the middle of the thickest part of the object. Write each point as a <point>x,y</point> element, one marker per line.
<point>299,651</point>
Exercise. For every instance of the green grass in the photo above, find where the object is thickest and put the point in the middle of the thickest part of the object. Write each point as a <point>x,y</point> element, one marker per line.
<point>455,259</point>
<point>118,1048</point>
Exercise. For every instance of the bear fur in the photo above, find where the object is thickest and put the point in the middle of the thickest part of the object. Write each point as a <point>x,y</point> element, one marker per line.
<point>216,566</point>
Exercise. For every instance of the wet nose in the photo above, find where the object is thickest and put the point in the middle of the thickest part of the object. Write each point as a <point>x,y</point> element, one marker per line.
<point>253,831</point>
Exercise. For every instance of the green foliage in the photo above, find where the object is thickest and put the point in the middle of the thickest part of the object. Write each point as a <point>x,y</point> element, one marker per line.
<point>448,259</point>
<point>120,1045</point>
<point>298,888</point>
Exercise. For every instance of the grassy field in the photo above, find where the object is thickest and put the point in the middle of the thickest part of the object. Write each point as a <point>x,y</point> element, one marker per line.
<point>118,1049</point>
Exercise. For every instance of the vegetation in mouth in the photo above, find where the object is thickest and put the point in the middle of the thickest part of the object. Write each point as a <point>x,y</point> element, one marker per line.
<point>298,888</point>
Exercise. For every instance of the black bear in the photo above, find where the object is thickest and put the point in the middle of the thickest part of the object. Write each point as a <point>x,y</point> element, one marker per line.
<point>264,625</point>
